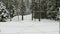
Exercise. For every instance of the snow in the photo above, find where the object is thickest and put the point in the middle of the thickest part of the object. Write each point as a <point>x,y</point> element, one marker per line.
<point>45,26</point>
<point>26,18</point>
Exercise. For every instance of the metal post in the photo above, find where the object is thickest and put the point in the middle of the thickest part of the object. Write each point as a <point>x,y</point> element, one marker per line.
<point>33,9</point>
<point>39,10</point>
<point>9,9</point>
<point>18,10</point>
<point>22,10</point>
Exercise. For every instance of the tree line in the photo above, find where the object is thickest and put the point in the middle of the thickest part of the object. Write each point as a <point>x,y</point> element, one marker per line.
<point>39,8</point>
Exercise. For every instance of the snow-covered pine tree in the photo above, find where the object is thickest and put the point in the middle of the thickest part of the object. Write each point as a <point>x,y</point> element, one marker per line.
<point>58,14</point>
<point>35,6</point>
<point>3,13</point>
<point>58,9</point>
<point>9,6</point>
<point>36,9</point>
<point>51,6</point>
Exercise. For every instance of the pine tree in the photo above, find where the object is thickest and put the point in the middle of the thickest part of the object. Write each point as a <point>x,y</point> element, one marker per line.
<point>35,6</point>
<point>3,14</point>
<point>51,6</point>
<point>39,10</point>
<point>9,6</point>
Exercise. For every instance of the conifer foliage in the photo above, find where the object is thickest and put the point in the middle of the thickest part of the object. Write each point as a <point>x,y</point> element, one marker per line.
<point>3,13</point>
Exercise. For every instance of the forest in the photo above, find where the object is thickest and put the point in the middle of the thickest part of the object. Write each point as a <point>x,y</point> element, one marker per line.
<point>40,9</point>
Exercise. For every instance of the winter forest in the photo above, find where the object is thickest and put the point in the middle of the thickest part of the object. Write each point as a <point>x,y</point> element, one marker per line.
<point>11,10</point>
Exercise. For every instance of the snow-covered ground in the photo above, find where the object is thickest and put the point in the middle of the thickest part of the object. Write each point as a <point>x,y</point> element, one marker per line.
<point>45,26</point>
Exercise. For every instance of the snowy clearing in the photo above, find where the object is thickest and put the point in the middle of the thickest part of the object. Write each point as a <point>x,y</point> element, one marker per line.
<point>45,26</point>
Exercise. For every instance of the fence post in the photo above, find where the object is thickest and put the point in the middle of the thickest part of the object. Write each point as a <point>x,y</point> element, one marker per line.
<point>39,10</point>
<point>32,14</point>
<point>32,9</point>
